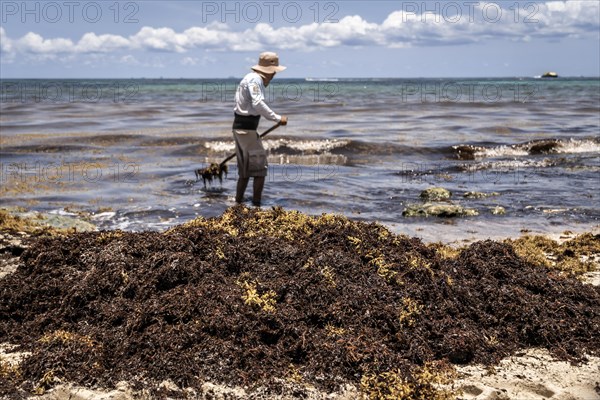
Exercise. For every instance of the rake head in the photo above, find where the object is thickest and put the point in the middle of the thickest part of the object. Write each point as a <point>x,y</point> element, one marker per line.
<point>211,172</point>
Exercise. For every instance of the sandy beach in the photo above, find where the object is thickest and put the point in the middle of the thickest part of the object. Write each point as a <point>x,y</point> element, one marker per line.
<point>531,376</point>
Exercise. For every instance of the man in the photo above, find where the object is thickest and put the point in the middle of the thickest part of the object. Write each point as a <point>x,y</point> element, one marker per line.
<point>249,107</point>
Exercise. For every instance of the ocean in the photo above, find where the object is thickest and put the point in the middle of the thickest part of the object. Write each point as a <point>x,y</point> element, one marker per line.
<point>123,152</point>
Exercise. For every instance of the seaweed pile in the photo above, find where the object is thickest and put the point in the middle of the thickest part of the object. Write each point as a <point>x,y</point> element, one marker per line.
<point>259,297</point>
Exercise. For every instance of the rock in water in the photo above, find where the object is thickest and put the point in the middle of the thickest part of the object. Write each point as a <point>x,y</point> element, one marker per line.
<point>498,210</point>
<point>479,195</point>
<point>436,194</point>
<point>438,210</point>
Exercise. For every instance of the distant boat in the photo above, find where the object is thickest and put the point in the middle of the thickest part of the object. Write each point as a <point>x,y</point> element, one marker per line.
<point>550,75</point>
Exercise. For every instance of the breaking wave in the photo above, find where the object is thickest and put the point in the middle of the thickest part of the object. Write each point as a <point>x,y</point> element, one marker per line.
<point>535,147</point>
<point>286,146</point>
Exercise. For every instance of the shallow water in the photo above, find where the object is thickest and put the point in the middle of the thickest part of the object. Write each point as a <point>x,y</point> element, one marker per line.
<point>125,150</point>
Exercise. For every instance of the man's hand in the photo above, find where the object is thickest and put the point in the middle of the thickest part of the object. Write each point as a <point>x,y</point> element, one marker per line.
<point>283,120</point>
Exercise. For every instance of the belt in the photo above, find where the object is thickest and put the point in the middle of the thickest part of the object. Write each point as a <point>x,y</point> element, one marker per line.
<point>248,122</point>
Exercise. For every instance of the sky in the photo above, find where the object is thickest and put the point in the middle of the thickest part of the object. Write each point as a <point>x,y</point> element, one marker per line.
<point>319,39</point>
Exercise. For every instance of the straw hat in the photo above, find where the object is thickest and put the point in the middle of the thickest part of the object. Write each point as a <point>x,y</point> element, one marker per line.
<point>268,63</point>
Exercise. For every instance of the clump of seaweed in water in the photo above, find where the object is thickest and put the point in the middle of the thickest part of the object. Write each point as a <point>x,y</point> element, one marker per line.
<point>258,297</point>
<point>213,171</point>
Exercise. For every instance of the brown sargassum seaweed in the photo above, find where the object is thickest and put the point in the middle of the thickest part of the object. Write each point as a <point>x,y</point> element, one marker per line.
<point>259,297</point>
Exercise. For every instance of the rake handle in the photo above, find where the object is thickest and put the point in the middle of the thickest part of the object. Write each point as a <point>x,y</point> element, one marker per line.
<point>265,133</point>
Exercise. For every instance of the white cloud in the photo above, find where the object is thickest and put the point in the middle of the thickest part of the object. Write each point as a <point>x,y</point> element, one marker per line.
<point>559,18</point>
<point>189,61</point>
<point>129,59</point>
<point>92,43</point>
<point>7,55</point>
<point>351,31</point>
<point>159,39</point>
<point>214,36</point>
<point>36,44</point>
<point>519,21</point>
<point>196,61</point>
<point>442,26</point>
<point>5,42</point>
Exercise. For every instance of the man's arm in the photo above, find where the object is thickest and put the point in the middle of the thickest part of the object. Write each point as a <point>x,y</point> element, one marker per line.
<point>258,102</point>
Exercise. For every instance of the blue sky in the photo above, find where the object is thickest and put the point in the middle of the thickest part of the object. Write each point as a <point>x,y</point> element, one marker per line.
<point>218,39</point>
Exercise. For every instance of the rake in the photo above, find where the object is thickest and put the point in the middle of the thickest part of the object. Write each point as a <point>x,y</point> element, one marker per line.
<point>214,170</point>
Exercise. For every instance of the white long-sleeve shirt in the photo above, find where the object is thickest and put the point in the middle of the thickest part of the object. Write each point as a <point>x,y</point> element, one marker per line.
<point>250,98</point>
